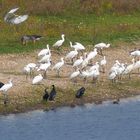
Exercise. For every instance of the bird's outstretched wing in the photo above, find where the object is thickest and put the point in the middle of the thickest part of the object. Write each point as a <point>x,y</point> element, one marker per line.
<point>19,19</point>
<point>13,10</point>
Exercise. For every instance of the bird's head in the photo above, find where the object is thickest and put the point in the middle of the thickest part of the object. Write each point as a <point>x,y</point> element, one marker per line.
<point>62,58</point>
<point>10,81</point>
<point>70,43</point>
<point>108,45</point>
<point>95,49</point>
<point>63,35</point>
<point>53,86</point>
<point>47,46</point>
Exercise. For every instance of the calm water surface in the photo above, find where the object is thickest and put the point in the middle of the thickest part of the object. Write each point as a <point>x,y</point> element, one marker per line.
<point>90,122</point>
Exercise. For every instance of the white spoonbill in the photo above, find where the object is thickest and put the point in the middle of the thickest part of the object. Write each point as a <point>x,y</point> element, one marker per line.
<point>94,74</point>
<point>115,66</point>
<point>6,87</point>
<point>71,55</point>
<point>44,51</point>
<point>74,75</point>
<point>137,65</point>
<point>78,62</point>
<point>92,54</point>
<point>37,79</point>
<point>78,46</point>
<point>59,42</point>
<point>112,76</point>
<point>84,74</point>
<point>45,58</point>
<point>29,69</point>
<point>58,65</point>
<point>100,46</point>
<point>103,63</point>
<point>44,67</point>
<point>129,68</point>
<point>96,66</point>
<point>135,53</point>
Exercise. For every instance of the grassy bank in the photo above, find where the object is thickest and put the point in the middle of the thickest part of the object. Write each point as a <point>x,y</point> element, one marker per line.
<point>102,91</point>
<point>88,29</point>
<point>88,22</point>
<point>66,17</point>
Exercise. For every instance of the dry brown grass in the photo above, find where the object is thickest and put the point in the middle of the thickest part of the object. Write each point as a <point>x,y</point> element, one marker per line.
<point>64,6</point>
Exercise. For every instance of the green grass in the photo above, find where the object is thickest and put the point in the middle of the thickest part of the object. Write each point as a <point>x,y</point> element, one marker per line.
<point>87,29</point>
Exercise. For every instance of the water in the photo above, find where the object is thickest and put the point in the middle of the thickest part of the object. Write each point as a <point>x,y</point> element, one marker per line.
<point>90,122</point>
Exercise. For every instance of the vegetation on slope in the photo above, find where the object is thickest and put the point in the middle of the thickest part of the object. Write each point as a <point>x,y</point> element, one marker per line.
<point>89,22</point>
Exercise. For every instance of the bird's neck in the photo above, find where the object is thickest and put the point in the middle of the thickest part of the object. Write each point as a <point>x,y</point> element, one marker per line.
<point>71,44</point>
<point>63,38</point>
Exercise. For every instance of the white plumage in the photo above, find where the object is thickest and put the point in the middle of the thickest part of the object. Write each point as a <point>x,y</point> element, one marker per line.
<point>44,66</point>
<point>58,65</point>
<point>72,54</point>
<point>59,42</point>
<point>78,62</point>
<point>135,53</point>
<point>92,54</point>
<point>84,74</point>
<point>96,66</point>
<point>137,65</point>
<point>75,74</point>
<point>6,86</point>
<point>44,51</point>
<point>115,66</point>
<point>31,65</point>
<point>27,70</point>
<point>78,46</point>
<point>102,45</point>
<point>94,73</point>
<point>112,75</point>
<point>10,17</point>
<point>103,61</point>
<point>13,10</point>
<point>130,67</point>
<point>85,63</point>
<point>45,58</point>
<point>19,19</point>
<point>37,79</point>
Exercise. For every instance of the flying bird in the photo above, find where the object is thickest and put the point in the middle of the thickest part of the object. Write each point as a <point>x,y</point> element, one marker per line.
<point>12,18</point>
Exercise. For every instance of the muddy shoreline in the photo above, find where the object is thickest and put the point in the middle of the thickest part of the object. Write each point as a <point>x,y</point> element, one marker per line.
<point>47,106</point>
<point>24,96</point>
